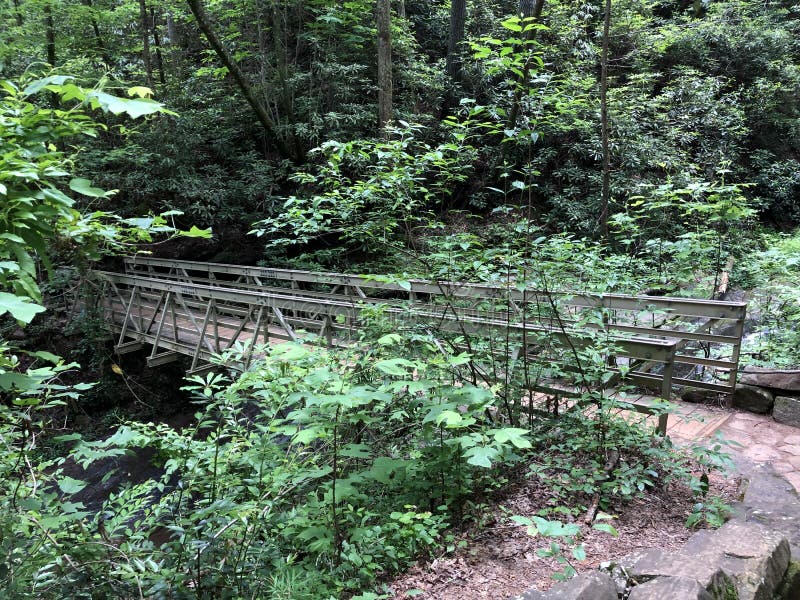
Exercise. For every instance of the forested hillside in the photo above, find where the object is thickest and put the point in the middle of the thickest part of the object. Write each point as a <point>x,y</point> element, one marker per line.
<point>632,146</point>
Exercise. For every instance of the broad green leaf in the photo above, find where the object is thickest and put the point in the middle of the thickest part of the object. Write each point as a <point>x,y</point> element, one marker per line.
<point>40,84</point>
<point>607,528</point>
<point>68,485</point>
<point>518,437</point>
<point>21,308</point>
<point>389,339</point>
<point>84,186</point>
<point>481,456</point>
<point>579,552</point>
<point>140,91</point>
<point>196,232</point>
<point>395,366</point>
<point>356,451</point>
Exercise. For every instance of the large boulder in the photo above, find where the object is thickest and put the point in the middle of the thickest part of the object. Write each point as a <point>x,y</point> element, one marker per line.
<point>754,557</point>
<point>787,410</point>
<point>703,568</point>
<point>586,586</point>
<point>786,380</point>
<point>753,399</point>
<point>699,396</point>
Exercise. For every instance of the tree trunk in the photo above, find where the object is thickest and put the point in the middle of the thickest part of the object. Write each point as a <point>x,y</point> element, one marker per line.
<point>529,9</point>
<point>145,27</point>
<point>241,80</point>
<point>17,13</point>
<point>384,19</point>
<point>157,41</point>
<point>401,9</point>
<point>50,34</point>
<point>98,38</point>
<point>605,131</point>
<point>458,17</point>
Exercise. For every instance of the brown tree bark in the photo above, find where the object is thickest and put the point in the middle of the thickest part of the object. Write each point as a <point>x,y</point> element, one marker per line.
<point>384,22</point>
<point>145,31</point>
<point>49,34</point>
<point>529,9</point>
<point>605,130</point>
<point>241,80</point>
<point>458,17</point>
<point>98,38</point>
<point>17,13</point>
<point>157,41</point>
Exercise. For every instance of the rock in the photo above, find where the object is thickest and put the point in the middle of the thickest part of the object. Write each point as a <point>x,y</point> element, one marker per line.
<point>704,568</point>
<point>787,410</point>
<point>787,380</point>
<point>699,396</point>
<point>753,399</point>
<point>754,557</point>
<point>662,588</point>
<point>586,586</point>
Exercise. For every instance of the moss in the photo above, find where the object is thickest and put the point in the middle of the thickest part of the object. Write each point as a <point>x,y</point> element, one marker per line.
<point>789,588</point>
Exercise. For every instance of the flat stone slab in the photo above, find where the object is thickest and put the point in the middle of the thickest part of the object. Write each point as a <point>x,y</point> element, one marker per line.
<point>770,500</point>
<point>787,410</point>
<point>787,380</point>
<point>663,588</point>
<point>755,557</point>
<point>704,568</point>
<point>593,585</point>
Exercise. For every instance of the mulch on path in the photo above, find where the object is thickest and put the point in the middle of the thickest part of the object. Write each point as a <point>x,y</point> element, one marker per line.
<point>499,559</point>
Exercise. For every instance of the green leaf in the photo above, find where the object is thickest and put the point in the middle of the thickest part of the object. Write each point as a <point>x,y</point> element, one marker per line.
<point>395,366</point>
<point>579,552</point>
<point>84,186</point>
<point>481,456</point>
<point>196,232</point>
<point>21,308</point>
<point>514,435</point>
<point>68,485</point>
<point>140,91</point>
<point>607,528</point>
<point>390,339</point>
<point>40,84</point>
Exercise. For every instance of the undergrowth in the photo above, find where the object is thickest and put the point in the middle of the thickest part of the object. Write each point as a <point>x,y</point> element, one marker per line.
<point>314,474</point>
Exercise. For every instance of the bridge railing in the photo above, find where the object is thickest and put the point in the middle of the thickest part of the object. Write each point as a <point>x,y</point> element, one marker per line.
<point>706,334</point>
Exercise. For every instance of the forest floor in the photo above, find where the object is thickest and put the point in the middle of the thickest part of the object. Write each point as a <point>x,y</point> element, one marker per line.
<point>498,560</point>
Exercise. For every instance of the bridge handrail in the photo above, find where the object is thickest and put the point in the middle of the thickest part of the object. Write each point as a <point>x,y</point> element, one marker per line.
<point>690,307</point>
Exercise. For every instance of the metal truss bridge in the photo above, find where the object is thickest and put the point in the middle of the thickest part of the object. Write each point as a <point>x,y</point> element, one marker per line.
<point>199,310</point>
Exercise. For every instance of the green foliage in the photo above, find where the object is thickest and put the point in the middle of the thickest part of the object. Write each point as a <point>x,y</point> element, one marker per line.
<point>372,192</point>
<point>774,270</point>
<point>563,536</point>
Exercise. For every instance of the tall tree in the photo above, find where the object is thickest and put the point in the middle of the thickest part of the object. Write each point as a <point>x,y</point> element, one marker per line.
<point>605,193</point>
<point>531,13</point>
<point>17,13</point>
<point>384,21</point>
<point>49,33</point>
<point>157,40</point>
<point>256,103</point>
<point>100,45</point>
<point>458,17</point>
<point>145,29</point>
